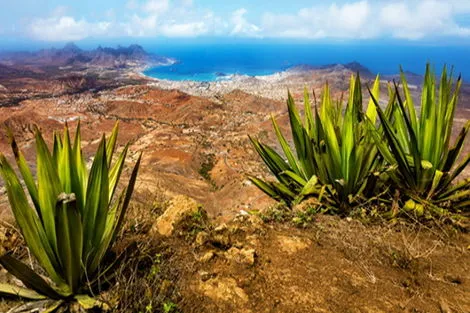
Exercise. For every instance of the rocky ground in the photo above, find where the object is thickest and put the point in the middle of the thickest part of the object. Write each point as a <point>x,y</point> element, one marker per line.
<point>195,142</point>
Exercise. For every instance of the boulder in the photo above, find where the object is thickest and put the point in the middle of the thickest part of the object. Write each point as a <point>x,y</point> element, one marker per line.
<point>180,206</point>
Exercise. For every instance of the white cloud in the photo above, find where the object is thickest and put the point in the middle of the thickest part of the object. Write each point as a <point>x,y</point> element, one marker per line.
<point>241,26</point>
<point>156,6</point>
<point>416,20</point>
<point>354,19</point>
<point>350,20</point>
<point>66,28</point>
<point>184,29</point>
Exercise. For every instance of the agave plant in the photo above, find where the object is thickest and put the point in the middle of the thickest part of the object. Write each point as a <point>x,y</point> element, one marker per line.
<point>422,162</point>
<point>333,149</point>
<point>73,221</point>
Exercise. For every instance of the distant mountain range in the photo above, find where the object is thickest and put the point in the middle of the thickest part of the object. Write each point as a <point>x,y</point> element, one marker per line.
<point>71,56</point>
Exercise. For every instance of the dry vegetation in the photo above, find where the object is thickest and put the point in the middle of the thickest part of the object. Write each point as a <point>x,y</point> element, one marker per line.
<point>233,250</point>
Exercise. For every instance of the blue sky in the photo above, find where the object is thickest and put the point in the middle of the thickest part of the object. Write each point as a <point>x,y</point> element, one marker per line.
<point>438,21</point>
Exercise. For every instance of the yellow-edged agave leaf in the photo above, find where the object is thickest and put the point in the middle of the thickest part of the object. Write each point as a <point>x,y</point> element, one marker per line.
<point>371,112</point>
<point>418,147</point>
<point>89,303</point>
<point>311,187</point>
<point>435,182</point>
<point>15,291</point>
<point>335,147</point>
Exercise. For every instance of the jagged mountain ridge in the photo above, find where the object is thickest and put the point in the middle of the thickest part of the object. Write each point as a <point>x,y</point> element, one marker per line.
<point>73,56</point>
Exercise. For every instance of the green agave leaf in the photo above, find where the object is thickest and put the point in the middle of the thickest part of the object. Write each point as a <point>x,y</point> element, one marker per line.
<point>115,172</point>
<point>79,171</point>
<point>410,108</point>
<point>454,153</point>
<point>449,118</point>
<point>28,277</point>
<point>298,179</point>
<point>113,226</point>
<point>48,188</point>
<point>64,163</point>
<point>309,120</point>
<point>464,184</point>
<point>456,195</point>
<point>28,222</point>
<point>271,158</point>
<point>25,172</point>
<point>459,168</point>
<point>57,148</point>
<point>396,150</point>
<point>275,190</point>
<point>414,147</point>
<point>296,128</point>
<point>127,198</point>
<point>111,145</point>
<point>96,206</point>
<point>69,239</point>
<point>265,187</point>
<point>285,147</point>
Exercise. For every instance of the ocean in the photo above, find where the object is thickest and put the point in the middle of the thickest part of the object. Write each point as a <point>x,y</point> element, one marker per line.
<point>214,61</point>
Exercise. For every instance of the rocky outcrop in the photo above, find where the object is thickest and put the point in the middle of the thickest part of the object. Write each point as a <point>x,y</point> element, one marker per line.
<point>180,206</point>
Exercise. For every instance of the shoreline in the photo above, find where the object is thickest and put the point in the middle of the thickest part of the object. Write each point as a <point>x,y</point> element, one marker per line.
<point>273,86</point>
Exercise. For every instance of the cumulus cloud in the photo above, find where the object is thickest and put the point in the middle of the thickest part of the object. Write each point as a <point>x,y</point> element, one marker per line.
<point>171,19</point>
<point>350,20</point>
<point>67,28</point>
<point>241,26</point>
<point>410,20</point>
<point>344,19</point>
<point>420,19</point>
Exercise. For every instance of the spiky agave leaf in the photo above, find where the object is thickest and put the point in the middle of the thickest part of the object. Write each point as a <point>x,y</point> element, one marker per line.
<point>333,147</point>
<point>418,148</point>
<point>75,220</point>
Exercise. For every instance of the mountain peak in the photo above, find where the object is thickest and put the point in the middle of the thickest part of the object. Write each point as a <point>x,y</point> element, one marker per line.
<point>71,47</point>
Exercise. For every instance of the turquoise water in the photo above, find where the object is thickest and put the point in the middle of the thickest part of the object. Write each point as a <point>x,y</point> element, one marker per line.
<point>210,62</point>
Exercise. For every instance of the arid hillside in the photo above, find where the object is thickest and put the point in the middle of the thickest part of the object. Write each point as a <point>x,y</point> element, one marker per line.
<point>196,152</point>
